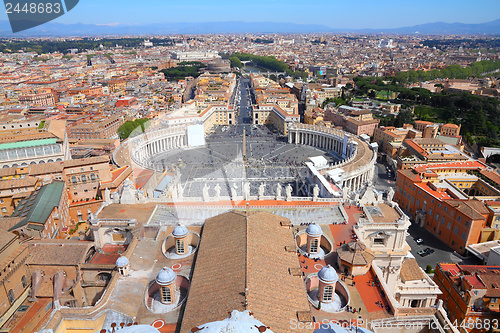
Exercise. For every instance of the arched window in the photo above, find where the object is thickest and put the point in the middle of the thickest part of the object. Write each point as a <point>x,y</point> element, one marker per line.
<point>166,297</point>
<point>11,296</point>
<point>92,176</point>
<point>314,246</point>
<point>180,246</point>
<point>24,281</point>
<point>84,178</point>
<point>73,179</point>
<point>327,293</point>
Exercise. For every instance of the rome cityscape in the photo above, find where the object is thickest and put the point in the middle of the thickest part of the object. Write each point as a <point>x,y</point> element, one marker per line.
<point>149,152</point>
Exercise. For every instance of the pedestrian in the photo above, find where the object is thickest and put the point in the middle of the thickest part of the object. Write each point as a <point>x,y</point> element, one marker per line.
<point>359,310</point>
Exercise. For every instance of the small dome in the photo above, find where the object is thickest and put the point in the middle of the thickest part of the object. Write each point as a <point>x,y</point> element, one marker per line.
<point>166,276</point>
<point>180,231</point>
<point>314,230</point>
<point>328,275</point>
<point>122,261</point>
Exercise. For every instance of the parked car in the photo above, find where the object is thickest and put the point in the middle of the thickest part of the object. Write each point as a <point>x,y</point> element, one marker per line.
<point>422,253</point>
<point>419,241</point>
<point>429,250</point>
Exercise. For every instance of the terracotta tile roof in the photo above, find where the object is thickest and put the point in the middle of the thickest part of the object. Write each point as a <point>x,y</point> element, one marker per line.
<point>492,282</point>
<point>46,168</point>
<point>18,182</point>
<point>61,252</point>
<point>474,209</point>
<point>495,177</point>
<point>355,253</point>
<point>5,239</point>
<point>238,252</point>
<point>86,161</point>
<point>410,271</point>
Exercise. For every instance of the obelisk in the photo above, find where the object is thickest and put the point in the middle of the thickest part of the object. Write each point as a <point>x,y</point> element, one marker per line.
<point>244,145</point>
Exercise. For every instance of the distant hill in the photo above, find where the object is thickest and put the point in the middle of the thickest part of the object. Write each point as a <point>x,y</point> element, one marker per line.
<point>443,28</point>
<point>80,29</point>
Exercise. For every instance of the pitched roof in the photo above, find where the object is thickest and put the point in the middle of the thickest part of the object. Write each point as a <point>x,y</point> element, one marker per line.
<point>38,206</point>
<point>63,252</point>
<point>5,239</point>
<point>410,271</point>
<point>85,161</point>
<point>239,252</point>
<point>18,182</point>
<point>355,253</point>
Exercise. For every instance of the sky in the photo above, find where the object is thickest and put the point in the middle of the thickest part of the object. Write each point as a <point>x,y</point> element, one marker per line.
<point>333,13</point>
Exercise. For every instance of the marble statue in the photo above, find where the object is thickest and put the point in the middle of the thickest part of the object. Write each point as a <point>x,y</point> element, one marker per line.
<point>278,192</point>
<point>345,192</point>
<point>217,191</point>
<point>390,194</point>
<point>116,197</point>
<point>288,190</point>
<point>206,197</point>
<point>246,190</point>
<point>315,192</point>
<point>262,188</point>
<point>107,196</point>
<point>233,191</point>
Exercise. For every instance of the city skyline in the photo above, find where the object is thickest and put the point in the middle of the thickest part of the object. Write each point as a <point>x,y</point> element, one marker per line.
<point>384,14</point>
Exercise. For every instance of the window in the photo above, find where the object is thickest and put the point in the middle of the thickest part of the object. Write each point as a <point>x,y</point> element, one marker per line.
<point>327,293</point>
<point>455,230</point>
<point>449,225</point>
<point>180,246</point>
<point>430,211</point>
<point>445,208</point>
<point>466,223</point>
<point>442,220</point>
<point>92,176</point>
<point>452,212</point>
<point>24,281</point>
<point>459,218</point>
<point>314,246</point>
<point>464,236</point>
<point>84,178</point>
<point>437,217</point>
<point>494,300</point>
<point>11,296</point>
<point>418,202</point>
<point>378,241</point>
<point>73,179</point>
<point>166,297</point>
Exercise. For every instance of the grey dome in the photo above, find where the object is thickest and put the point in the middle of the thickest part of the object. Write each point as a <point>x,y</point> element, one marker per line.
<point>314,230</point>
<point>180,231</point>
<point>166,276</point>
<point>122,261</point>
<point>327,274</point>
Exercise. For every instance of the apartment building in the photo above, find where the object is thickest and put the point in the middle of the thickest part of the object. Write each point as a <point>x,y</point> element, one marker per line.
<point>101,127</point>
<point>353,120</point>
<point>444,199</point>
<point>471,295</point>
<point>390,138</point>
<point>14,276</point>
